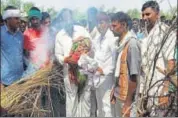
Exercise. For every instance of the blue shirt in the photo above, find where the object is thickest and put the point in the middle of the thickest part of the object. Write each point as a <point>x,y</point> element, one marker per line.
<point>11,56</point>
<point>140,35</point>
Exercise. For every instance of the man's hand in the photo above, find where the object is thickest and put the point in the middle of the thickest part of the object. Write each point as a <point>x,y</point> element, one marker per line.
<point>112,97</point>
<point>100,70</point>
<point>126,110</point>
<point>2,86</point>
<point>66,59</point>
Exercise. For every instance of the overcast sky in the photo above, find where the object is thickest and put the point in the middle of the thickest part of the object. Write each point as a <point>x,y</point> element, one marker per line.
<point>82,5</point>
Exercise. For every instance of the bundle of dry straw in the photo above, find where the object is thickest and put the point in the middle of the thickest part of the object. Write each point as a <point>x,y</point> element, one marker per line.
<point>24,97</point>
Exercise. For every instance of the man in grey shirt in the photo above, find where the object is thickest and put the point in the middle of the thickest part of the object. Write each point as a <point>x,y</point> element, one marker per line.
<point>128,63</point>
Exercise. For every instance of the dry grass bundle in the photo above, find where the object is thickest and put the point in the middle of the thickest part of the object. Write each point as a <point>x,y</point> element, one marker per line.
<point>25,96</point>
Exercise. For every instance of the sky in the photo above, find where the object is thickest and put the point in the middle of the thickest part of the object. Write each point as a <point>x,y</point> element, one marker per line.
<point>82,5</point>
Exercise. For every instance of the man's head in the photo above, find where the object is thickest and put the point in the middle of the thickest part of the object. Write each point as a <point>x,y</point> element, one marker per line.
<point>121,23</point>
<point>23,25</point>
<point>12,17</point>
<point>135,25</point>
<point>91,17</point>
<point>102,22</point>
<point>46,19</point>
<point>150,13</point>
<point>66,15</point>
<point>23,22</point>
<point>67,20</point>
<point>34,16</point>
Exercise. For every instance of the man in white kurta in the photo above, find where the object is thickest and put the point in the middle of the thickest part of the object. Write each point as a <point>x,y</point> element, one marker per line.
<point>63,46</point>
<point>104,49</point>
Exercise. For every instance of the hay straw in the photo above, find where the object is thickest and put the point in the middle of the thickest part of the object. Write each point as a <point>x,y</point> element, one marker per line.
<point>24,96</point>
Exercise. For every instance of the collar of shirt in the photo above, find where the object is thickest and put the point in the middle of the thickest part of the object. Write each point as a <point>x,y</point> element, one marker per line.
<point>7,30</point>
<point>127,36</point>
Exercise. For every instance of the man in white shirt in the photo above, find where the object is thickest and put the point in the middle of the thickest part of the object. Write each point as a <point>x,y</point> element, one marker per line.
<point>63,44</point>
<point>104,48</point>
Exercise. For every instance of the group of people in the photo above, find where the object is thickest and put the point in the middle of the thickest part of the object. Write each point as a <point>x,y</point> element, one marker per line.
<point>121,65</point>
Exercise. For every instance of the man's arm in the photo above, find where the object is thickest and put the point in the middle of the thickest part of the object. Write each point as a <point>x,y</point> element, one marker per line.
<point>59,53</point>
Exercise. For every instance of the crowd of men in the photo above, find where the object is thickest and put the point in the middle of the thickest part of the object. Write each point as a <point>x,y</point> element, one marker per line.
<point>123,48</point>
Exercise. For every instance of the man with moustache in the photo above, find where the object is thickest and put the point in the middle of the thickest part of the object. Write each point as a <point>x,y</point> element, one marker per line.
<point>157,56</point>
<point>35,44</point>
<point>128,63</point>
<point>104,48</point>
<point>63,44</point>
<point>11,47</point>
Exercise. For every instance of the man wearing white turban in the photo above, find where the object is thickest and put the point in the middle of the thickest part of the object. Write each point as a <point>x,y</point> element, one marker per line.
<point>11,47</point>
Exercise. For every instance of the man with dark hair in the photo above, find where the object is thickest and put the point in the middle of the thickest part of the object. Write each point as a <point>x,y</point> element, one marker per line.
<point>157,57</point>
<point>11,47</point>
<point>75,107</point>
<point>128,63</point>
<point>150,12</point>
<point>104,48</point>
<point>46,19</point>
<point>35,43</point>
<point>24,22</point>
<point>136,28</point>
<point>135,25</point>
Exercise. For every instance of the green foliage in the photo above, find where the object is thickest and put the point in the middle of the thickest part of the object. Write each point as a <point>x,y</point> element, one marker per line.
<point>170,13</point>
<point>79,15</point>
<point>26,6</point>
<point>134,13</point>
<point>52,12</point>
<point>23,6</point>
<point>16,3</point>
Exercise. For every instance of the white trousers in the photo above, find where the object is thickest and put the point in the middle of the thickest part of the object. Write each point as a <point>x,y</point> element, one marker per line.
<point>77,107</point>
<point>103,91</point>
<point>84,103</point>
<point>71,97</point>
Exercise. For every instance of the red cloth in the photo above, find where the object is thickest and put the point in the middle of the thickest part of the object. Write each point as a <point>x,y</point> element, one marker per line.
<point>37,46</point>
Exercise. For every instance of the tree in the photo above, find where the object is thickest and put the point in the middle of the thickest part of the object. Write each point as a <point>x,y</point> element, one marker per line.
<point>79,15</point>
<point>102,8</point>
<point>52,12</point>
<point>170,13</point>
<point>26,6</point>
<point>16,3</point>
<point>112,10</point>
<point>134,13</point>
<point>3,5</point>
